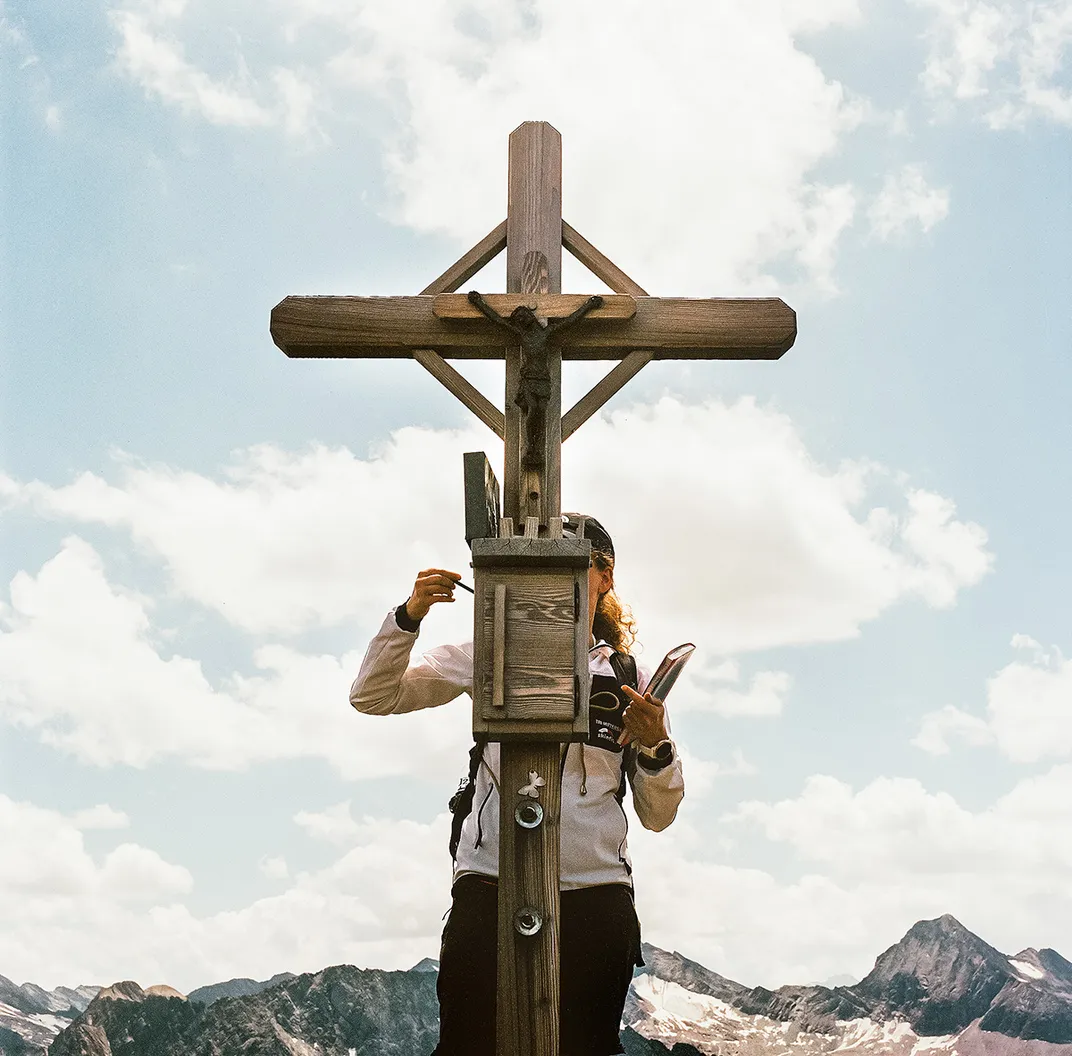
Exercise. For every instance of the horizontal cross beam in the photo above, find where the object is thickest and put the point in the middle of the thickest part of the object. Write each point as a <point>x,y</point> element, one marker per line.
<point>670,327</point>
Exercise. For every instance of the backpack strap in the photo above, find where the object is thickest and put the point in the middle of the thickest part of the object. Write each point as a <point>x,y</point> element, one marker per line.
<point>461,803</point>
<point>625,671</point>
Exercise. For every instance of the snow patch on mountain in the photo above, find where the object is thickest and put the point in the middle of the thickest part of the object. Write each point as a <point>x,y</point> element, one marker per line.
<point>1029,970</point>
<point>36,1028</point>
<point>671,1007</point>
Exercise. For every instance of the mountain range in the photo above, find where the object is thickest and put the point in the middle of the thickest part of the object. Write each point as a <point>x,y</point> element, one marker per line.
<point>940,991</point>
<point>31,1016</point>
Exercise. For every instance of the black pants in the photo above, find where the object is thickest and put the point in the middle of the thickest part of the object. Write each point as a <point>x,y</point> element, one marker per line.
<point>599,943</point>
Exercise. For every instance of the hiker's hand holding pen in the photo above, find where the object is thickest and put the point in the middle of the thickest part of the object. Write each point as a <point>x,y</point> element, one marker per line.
<point>433,585</point>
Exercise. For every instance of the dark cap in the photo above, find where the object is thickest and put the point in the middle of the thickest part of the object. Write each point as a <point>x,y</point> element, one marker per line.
<point>586,526</point>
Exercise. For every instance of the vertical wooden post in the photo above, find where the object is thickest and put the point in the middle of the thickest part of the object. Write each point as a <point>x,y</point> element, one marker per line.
<point>528,998</point>
<point>534,265</point>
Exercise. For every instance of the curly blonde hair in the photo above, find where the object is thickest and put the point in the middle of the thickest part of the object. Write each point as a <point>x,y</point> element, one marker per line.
<point>613,621</point>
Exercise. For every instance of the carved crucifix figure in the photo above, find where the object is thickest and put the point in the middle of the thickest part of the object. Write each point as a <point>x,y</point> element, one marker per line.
<point>535,385</point>
<point>629,327</point>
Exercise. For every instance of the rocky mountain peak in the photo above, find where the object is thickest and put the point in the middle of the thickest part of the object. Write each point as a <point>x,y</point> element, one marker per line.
<point>1036,1003</point>
<point>241,987</point>
<point>1029,965</point>
<point>941,933</point>
<point>939,977</point>
<point>940,954</point>
<point>675,968</point>
<point>163,990</point>
<point>1055,964</point>
<point>426,964</point>
<point>127,990</point>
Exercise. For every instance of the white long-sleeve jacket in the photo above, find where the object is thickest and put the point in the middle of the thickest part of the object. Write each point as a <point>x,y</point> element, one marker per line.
<point>593,828</point>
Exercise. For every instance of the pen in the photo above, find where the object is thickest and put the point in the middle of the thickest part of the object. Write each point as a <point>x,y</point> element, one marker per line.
<point>464,586</point>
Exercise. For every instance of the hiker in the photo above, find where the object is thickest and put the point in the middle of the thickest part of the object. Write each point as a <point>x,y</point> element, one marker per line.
<point>628,746</point>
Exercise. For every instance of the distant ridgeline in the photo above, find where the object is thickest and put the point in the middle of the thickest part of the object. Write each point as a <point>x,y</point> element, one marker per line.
<point>940,983</point>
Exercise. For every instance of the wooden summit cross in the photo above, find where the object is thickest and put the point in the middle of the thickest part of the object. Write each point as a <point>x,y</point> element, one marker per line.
<point>525,646</point>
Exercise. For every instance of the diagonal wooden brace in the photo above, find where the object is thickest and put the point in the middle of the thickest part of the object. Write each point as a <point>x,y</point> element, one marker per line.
<point>603,390</point>
<point>461,387</point>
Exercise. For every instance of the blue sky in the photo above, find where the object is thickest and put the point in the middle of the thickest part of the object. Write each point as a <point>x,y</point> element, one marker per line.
<point>866,539</point>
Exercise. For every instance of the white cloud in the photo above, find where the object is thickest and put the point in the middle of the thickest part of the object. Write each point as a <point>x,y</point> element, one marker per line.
<point>1028,710</point>
<point>133,872</point>
<point>763,697</point>
<point>791,551</point>
<point>274,867</point>
<point>286,540</point>
<point>81,664</point>
<point>297,101</point>
<point>811,15</point>
<point>702,775</point>
<point>894,827</point>
<point>78,663</point>
<point>646,152</point>
<point>869,863</point>
<point>1029,706</point>
<point>465,94</point>
<point>906,200</point>
<point>760,545</point>
<point>791,554</point>
<point>100,817</point>
<point>939,728</point>
<point>45,863</point>
<point>379,905</point>
<point>1007,57</point>
<point>750,926</point>
<point>152,54</point>
<point>334,824</point>
<point>159,66</point>
<point>951,553</point>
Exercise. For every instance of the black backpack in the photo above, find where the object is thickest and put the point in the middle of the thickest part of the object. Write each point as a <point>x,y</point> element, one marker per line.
<point>461,803</point>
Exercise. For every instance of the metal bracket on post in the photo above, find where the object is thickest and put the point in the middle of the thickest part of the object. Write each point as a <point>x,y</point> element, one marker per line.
<point>529,815</point>
<point>528,921</point>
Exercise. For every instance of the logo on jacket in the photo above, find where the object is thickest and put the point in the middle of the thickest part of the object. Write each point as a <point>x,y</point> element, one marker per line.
<point>605,707</point>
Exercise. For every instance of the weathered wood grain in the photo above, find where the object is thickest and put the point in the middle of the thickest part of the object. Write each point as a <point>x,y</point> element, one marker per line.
<point>602,267</point>
<point>461,387</point>
<point>498,648</point>
<point>544,305</point>
<point>533,266</point>
<point>528,998</point>
<point>537,603</point>
<point>483,501</point>
<point>523,552</point>
<point>534,210</point>
<point>670,327</point>
<point>528,619</point>
<point>467,265</point>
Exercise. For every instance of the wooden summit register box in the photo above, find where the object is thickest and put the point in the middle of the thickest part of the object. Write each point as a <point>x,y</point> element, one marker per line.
<point>530,650</point>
